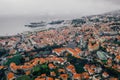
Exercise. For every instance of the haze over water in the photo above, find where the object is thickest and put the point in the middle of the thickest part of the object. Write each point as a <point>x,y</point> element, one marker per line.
<point>14,25</point>
<point>14,14</point>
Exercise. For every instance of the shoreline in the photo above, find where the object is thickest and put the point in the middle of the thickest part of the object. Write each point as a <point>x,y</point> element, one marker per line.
<point>31,31</point>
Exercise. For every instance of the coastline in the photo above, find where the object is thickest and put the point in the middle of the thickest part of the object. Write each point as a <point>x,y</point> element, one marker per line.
<point>32,31</point>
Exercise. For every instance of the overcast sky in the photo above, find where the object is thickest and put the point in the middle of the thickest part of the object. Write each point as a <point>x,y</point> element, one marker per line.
<point>57,7</point>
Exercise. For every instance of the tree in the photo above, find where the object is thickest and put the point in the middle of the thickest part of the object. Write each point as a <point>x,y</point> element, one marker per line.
<point>17,59</point>
<point>40,69</point>
<point>36,70</point>
<point>24,77</point>
<point>78,63</point>
<point>2,51</point>
<point>2,73</point>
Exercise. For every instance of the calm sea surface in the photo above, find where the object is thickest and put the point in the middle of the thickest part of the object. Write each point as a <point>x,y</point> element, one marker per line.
<point>14,25</point>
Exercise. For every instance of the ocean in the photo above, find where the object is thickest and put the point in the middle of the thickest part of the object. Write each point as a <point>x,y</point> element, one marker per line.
<point>14,25</point>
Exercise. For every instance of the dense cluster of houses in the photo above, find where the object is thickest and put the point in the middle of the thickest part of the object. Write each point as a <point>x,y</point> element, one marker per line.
<point>95,42</point>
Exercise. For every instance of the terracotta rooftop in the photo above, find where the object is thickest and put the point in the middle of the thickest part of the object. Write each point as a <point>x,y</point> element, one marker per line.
<point>10,76</point>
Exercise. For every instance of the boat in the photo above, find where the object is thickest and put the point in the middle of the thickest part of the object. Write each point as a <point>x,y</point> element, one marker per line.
<point>36,24</point>
<point>56,22</point>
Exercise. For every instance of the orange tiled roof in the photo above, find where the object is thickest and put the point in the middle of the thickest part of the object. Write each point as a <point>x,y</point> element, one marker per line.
<point>64,76</point>
<point>43,75</point>
<point>74,52</point>
<point>118,57</point>
<point>113,78</point>
<point>10,75</point>
<point>50,78</point>
<point>27,72</point>
<point>77,49</point>
<point>70,67</point>
<point>61,70</point>
<point>91,71</point>
<point>77,76</point>
<point>13,66</point>
<point>93,66</point>
<point>73,71</point>
<point>40,79</point>
<point>85,75</point>
<point>51,65</point>
<point>1,67</point>
<point>42,60</point>
<point>52,73</point>
<point>59,50</point>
